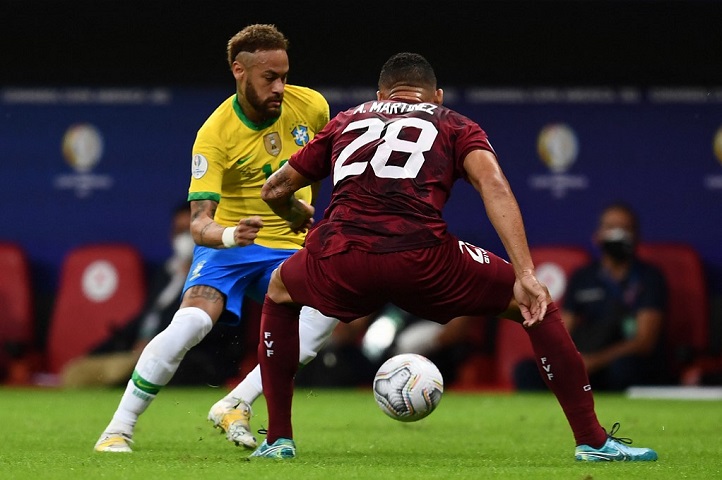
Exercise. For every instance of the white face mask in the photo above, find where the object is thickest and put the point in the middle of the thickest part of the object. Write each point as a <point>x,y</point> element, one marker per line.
<point>183,246</point>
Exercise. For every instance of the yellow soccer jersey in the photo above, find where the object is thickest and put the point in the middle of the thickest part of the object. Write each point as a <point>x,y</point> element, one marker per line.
<point>233,157</point>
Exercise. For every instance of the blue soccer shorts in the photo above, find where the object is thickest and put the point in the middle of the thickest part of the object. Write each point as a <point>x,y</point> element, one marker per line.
<point>235,272</point>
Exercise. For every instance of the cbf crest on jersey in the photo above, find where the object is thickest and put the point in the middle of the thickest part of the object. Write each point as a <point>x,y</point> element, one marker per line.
<point>272,142</point>
<point>300,135</point>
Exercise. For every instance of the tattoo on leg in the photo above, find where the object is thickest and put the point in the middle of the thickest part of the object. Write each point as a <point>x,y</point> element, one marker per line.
<point>206,293</point>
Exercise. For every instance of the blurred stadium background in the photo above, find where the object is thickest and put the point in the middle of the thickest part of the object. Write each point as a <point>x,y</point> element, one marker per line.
<point>586,102</point>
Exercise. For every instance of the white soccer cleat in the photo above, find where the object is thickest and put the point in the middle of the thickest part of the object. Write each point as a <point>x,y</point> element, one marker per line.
<point>235,423</point>
<point>114,443</point>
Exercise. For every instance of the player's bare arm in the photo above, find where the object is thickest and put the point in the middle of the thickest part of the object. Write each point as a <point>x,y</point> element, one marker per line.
<point>208,233</point>
<point>503,212</point>
<point>315,192</point>
<point>278,192</point>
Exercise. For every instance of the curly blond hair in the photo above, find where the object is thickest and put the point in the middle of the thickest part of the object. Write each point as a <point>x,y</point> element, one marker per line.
<point>254,38</point>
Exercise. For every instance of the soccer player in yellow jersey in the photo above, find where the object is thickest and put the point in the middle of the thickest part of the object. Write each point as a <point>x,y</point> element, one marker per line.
<point>239,240</point>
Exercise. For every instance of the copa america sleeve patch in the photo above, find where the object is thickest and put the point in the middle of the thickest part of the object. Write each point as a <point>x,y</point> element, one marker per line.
<point>199,166</point>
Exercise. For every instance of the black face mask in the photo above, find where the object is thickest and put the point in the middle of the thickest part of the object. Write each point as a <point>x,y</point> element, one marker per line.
<point>620,250</point>
<point>618,244</point>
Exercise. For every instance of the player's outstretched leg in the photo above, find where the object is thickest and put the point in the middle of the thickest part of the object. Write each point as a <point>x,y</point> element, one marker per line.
<point>155,368</point>
<point>562,369</point>
<point>278,352</point>
<point>232,413</point>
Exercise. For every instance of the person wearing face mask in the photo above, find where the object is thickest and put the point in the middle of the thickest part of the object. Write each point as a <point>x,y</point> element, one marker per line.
<point>112,361</point>
<point>614,309</point>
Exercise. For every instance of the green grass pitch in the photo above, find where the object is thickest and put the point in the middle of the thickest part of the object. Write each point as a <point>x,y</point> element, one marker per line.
<point>342,434</point>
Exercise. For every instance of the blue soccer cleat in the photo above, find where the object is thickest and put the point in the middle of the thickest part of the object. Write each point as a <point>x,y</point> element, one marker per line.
<point>281,449</point>
<point>614,450</point>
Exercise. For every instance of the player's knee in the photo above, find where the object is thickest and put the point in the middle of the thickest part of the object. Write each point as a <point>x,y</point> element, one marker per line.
<point>191,324</point>
<point>277,290</point>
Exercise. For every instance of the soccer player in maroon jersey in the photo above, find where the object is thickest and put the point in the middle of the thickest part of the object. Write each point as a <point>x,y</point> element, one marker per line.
<point>382,239</point>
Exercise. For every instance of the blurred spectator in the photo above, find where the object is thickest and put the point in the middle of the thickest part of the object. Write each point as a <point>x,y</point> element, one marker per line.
<point>112,362</point>
<point>614,310</point>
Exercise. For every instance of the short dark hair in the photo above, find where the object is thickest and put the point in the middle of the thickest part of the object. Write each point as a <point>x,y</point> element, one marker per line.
<point>407,69</point>
<point>628,210</point>
<point>254,38</point>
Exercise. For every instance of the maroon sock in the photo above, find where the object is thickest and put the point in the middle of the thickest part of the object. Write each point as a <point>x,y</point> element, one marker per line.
<point>562,368</point>
<point>278,351</point>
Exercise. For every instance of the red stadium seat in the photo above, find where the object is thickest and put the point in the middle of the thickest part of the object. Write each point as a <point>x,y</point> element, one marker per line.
<point>687,328</point>
<point>17,322</point>
<point>16,299</point>
<point>554,264</point>
<point>102,288</point>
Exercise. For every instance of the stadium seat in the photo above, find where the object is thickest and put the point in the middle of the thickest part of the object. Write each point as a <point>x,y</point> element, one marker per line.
<point>554,264</point>
<point>16,300</point>
<point>102,287</point>
<point>687,328</point>
<point>17,323</point>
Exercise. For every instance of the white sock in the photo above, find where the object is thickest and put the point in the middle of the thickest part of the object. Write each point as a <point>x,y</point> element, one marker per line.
<point>157,365</point>
<point>314,330</point>
<point>247,391</point>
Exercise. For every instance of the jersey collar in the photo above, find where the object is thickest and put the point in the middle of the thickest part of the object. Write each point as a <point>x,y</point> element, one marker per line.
<point>246,121</point>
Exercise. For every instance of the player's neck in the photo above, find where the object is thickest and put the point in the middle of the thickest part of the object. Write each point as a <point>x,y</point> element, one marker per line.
<point>250,113</point>
<point>407,94</point>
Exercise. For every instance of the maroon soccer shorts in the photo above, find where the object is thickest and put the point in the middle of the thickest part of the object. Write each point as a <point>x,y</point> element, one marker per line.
<point>436,283</point>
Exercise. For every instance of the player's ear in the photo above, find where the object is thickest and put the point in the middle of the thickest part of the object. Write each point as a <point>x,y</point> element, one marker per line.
<point>439,96</point>
<point>238,70</point>
<point>378,95</point>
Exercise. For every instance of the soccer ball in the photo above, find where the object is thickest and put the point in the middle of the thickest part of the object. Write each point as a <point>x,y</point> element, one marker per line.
<point>408,387</point>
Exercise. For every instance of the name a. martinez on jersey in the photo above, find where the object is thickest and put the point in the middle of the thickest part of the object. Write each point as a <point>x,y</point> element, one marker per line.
<point>393,108</point>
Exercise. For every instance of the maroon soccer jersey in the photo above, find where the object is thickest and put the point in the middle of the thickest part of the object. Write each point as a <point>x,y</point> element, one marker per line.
<point>393,165</point>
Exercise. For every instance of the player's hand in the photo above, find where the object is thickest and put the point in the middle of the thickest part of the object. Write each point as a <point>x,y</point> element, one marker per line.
<point>532,297</point>
<point>301,216</point>
<point>247,230</point>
